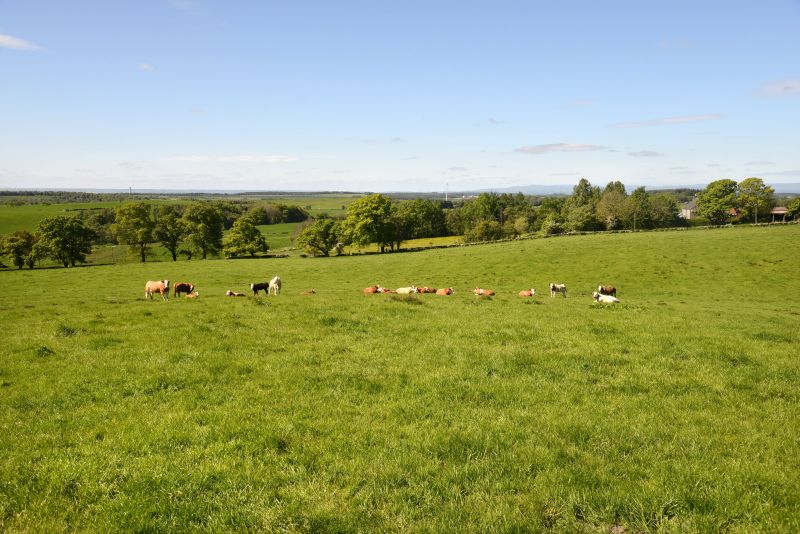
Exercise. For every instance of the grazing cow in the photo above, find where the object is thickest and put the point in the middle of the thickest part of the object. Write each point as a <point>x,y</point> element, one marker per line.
<point>261,286</point>
<point>193,295</point>
<point>605,299</point>
<point>527,292</point>
<point>607,290</point>
<point>484,292</point>
<point>161,287</point>
<point>445,291</point>
<point>406,290</point>
<point>275,286</point>
<point>371,290</point>
<point>558,288</point>
<point>182,287</point>
<point>230,293</point>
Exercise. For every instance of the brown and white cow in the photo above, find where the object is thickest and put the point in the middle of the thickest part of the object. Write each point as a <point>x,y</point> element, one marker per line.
<point>161,286</point>
<point>483,292</point>
<point>193,295</point>
<point>230,293</point>
<point>371,290</point>
<point>604,299</point>
<point>558,288</point>
<point>445,291</point>
<point>426,289</point>
<point>182,287</point>
<point>527,292</point>
<point>607,290</point>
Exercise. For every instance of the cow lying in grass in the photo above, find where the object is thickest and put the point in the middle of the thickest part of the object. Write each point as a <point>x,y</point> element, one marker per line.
<point>193,295</point>
<point>162,287</point>
<point>445,291</point>
<point>406,290</point>
<point>230,293</point>
<point>527,292</point>
<point>605,299</point>
<point>483,292</point>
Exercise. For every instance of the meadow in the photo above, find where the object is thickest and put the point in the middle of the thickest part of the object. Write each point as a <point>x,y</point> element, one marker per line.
<point>677,410</point>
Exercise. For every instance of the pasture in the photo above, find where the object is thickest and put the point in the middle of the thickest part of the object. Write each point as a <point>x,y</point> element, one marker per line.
<point>677,410</point>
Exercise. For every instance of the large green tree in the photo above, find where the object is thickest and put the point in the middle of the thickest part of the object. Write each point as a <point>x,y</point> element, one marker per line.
<point>244,239</point>
<point>204,228</point>
<point>19,247</point>
<point>639,209</point>
<point>664,209</point>
<point>717,200</point>
<point>64,239</point>
<point>612,208</point>
<point>755,197</point>
<point>793,208</point>
<point>320,237</point>
<point>369,221</point>
<point>134,226</point>
<point>170,229</point>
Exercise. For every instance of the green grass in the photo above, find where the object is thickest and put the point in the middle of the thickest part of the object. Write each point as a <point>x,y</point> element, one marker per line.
<point>677,410</point>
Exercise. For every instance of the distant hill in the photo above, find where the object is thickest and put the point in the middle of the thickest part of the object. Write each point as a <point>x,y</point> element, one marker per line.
<point>564,189</point>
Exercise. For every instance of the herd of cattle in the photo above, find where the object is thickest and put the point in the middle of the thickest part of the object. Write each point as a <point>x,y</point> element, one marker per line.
<point>604,294</point>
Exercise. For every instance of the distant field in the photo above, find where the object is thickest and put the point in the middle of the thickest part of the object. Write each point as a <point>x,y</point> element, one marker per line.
<point>676,411</point>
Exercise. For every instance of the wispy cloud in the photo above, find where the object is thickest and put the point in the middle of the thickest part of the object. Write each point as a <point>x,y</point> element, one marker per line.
<point>146,66</point>
<point>758,163</point>
<point>684,119</point>
<point>241,158</point>
<point>784,173</point>
<point>780,88</point>
<point>645,154</point>
<point>557,147</point>
<point>15,43</point>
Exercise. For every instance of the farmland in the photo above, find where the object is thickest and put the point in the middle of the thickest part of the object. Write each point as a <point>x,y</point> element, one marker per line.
<point>677,410</point>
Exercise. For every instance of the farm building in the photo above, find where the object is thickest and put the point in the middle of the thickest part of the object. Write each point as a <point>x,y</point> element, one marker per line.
<point>779,211</point>
<point>689,210</point>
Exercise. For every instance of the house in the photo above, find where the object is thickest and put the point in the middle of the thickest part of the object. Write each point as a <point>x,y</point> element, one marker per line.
<point>779,211</point>
<point>689,210</point>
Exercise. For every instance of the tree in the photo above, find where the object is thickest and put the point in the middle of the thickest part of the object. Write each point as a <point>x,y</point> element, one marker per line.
<point>134,227</point>
<point>369,221</point>
<point>170,229</point>
<point>793,208</point>
<point>755,197</point>
<point>664,209</point>
<point>244,239</point>
<point>639,210</point>
<point>485,231</point>
<point>203,228</point>
<point>19,246</point>
<point>421,218</point>
<point>320,237</point>
<point>717,200</point>
<point>613,206</point>
<point>64,239</point>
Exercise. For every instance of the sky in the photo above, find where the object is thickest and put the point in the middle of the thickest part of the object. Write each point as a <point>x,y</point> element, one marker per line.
<point>396,96</point>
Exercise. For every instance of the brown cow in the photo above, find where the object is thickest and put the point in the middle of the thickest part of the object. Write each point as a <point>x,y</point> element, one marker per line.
<point>386,290</point>
<point>182,287</point>
<point>484,292</point>
<point>162,287</point>
<point>607,290</point>
<point>527,292</point>
<point>445,291</point>
<point>426,289</point>
<point>371,290</point>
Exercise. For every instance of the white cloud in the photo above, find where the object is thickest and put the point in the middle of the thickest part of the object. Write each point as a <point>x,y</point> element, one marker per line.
<point>241,158</point>
<point>557,147</point>
<point>146,66</point>
<point>781,88</point>
<point>645,154</point>
<point>684,119</point>
<point>15,43</point>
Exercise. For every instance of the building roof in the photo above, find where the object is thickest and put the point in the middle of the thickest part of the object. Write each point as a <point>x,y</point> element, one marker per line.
<point>780,210</point>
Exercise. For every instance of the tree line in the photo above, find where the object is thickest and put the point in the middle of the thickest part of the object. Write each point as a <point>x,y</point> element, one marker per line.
<point>192,230</point>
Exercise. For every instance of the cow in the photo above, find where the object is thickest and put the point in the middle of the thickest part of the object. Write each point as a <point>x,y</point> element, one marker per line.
<point>193,295</point>
<point>182,287</point>
<point>527,292</point>
<point>386,290</point>
<point>426,289</point>
<point>605,299</point>
<point>607,290</point>
<point>161,287</point>
<point>445,291</point>
<point>275,286</point>
<point>309,292</point>
<point>261,286</point>
<point>483,292</point>
<point>230,293</point>
<point>371,290</point>
<point>558,288</point>
<point>406,290</point>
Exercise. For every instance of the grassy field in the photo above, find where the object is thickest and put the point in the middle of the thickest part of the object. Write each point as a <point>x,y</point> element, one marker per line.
<point>675,411</point>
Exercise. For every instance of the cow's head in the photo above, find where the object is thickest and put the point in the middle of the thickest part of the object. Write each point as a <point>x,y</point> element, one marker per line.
<point>166,284</point>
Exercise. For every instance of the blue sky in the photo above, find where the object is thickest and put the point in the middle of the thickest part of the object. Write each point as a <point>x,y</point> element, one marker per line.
<point>380,96</point>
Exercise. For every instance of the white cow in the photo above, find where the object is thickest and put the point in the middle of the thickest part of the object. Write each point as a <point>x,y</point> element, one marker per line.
<point>406,290</point>
<point>274,286</point>
<point>558,288</point>
<point>605,299</point>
